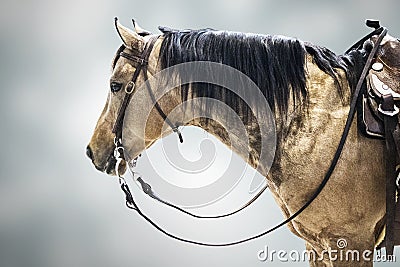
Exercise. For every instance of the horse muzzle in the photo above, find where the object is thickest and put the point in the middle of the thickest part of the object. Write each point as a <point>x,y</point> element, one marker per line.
<point>112,166</point>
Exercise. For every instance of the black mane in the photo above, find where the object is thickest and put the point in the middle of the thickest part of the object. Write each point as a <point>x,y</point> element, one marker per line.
<point>275,63</point>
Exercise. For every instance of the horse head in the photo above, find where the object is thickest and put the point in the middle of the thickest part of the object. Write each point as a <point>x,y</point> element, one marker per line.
<point>102,144</point>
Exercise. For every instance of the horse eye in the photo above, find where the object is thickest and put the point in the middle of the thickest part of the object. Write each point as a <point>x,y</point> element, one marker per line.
<point>115,87</point>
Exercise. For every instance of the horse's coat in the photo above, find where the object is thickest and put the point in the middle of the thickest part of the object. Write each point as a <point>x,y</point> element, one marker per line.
<point>311,106</point>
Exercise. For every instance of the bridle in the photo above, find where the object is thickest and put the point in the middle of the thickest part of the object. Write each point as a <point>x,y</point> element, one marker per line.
<point>142,61</point>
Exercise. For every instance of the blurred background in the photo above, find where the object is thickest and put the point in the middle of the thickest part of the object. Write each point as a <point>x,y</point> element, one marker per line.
<point>55,208</point>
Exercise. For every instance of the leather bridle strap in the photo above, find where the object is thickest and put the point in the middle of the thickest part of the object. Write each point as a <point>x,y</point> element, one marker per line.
<point>174,128</point>
<point>130,86</point>
<point>130,202</point>
<point>129,89</point>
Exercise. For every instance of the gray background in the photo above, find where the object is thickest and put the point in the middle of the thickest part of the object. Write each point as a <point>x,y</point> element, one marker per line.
<point>55,209</point>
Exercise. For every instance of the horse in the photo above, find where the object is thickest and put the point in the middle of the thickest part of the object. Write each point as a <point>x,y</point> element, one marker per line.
<point>307,89</point>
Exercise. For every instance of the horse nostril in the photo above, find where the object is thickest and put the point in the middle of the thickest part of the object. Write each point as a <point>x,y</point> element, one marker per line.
<point>89,152</point>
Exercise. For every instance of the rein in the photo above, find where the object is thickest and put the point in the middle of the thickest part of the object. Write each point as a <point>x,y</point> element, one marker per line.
<point>142,60</point>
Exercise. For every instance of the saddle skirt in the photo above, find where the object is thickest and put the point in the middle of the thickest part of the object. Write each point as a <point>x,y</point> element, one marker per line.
<point>381,80</point>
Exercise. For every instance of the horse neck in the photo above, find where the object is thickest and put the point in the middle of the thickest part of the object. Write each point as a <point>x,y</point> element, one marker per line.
<point>242,136</point>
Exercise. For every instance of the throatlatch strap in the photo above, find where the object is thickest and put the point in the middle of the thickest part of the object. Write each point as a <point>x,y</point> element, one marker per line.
<point>174,128</point>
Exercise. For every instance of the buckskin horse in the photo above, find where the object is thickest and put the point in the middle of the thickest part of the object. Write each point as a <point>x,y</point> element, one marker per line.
<point>313,95</point>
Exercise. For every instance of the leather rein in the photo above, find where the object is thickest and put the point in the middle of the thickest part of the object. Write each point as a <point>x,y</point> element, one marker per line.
<point>142,62</point>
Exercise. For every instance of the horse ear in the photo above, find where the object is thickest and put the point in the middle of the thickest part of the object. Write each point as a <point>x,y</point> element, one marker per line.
<point>139,30</point>
<point>130,38</point>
